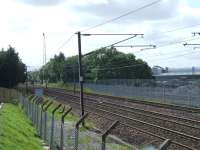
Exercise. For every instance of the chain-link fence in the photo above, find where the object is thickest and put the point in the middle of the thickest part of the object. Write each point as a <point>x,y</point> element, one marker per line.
<point>8,95</point>
<point>60,133</point>
<point>177,91</point>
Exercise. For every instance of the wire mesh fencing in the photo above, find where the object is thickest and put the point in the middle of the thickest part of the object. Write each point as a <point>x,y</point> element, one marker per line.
<point>8,95</point>
<point>60,133</point>
<point>181,92</point>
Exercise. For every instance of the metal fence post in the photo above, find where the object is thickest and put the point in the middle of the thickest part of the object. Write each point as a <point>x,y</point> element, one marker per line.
<point>36,112</point>
<point>189,99</point>
<point>62,128</point>
<point>105,134</point>
<point>52,126</point>
<point>39,101</point>
<point>165,145</point>
<point>41,116</point>
<point>34,109</point>
<point>76,132</point>
<point>163,92</point>
<point>39,112</point>
<point>30,106</point>
<point>23,103</point>
<point>31,103</point>
<point>45,120</point>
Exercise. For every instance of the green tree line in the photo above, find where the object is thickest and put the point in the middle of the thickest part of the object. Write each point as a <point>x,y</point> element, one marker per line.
<point>12,69</point>
<point>105,63</point>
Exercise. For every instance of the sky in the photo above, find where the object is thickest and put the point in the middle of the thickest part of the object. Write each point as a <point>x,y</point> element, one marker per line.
<point>167,24</point>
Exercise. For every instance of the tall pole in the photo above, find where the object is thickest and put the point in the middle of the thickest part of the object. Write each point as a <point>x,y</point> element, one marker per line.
<point>74,78</point>
<point>26,80</point>
<point>44,58</point>
<point>80,74</point>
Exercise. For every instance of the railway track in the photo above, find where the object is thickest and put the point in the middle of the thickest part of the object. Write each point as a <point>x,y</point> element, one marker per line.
<point>142,102</point>
<point>181,130</point>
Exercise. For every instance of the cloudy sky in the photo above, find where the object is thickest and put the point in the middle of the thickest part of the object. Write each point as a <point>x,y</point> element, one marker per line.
<point>167,24</point>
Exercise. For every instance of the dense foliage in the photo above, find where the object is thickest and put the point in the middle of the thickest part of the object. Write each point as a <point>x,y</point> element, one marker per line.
<point>12,70</point>
<point>112,64</point>
<point>105,63</point>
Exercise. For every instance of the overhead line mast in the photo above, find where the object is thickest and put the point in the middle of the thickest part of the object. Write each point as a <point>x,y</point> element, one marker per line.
<point>196,45</point>
<point>44,59</point>
<point>80,56</point>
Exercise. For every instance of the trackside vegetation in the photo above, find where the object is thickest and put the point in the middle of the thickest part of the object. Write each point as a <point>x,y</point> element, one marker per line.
<point>12,69</point>
<point>16,130</point>
<point>101,64</point>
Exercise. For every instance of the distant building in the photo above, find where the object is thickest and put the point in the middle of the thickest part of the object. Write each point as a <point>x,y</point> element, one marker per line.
<point>160,72</point>
<point>157,70</point>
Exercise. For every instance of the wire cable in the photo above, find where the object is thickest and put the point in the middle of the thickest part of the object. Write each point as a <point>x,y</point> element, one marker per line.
<point>123,15</point>
<point>66,42</point>
<point>175,56</point>
<point>116,68</point>
<point>181,28</point>
<point>178,42</point>
<point>111,45</point>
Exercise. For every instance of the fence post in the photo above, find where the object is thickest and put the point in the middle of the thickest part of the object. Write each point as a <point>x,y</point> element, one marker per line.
<point>30,98</point>
<point>76,132</point>
<point>41,116</point>
<point>45,119</point>
<point>23,103</point>
<point>165,145</point>
<point>31,103</point>
<point>40,100</point>
<point>105,134</point>
<point>26,105</point>
<point>52,126</point>
<point>34,109</point>
<point>62,128</point>
<point>163,92</point>
<point>189,99</point>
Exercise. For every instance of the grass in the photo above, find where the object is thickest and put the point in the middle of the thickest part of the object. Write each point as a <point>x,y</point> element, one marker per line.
<point>16,130</point>
<point>66,86</point>
<point>70,117</point>
<point>8,95</point>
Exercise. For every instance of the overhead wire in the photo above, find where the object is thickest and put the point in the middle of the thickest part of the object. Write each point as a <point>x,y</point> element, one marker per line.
<point>128,13</point>
<point>181,28</point>
<point>172,57</point>
<point>171,43</point>
<point>113,44</point>
<point>66,42</point>
<point>123,15</point>
<point>110,20</point>
<point>113,67</point>
<point>178,42</point>
<point>116,68</point>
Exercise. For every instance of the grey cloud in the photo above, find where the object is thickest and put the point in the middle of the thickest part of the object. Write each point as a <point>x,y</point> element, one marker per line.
<point>178,28</point>
<point>113,8</point>
<point>43,2</point>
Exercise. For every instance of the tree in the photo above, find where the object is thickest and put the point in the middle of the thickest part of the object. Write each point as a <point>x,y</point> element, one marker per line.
<point>70,70</point>
<point>105,63</point>
<point>108,63</point>
<point>53,70</point>
<point>12,70</point>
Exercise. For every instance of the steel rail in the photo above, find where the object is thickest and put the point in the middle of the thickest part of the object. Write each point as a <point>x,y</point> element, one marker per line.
<point>144,102</point>
<point>156,126</point>
<point>142,110</point>
<point>128,125</point>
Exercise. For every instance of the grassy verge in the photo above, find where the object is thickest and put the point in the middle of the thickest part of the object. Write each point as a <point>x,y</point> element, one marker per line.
<point>66,86</point>
<point>71,117</point>
<point>87,138</point>
<point>16,130</point>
